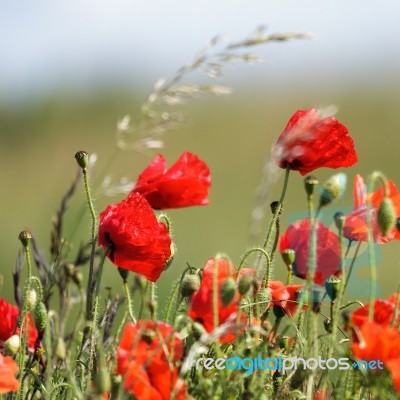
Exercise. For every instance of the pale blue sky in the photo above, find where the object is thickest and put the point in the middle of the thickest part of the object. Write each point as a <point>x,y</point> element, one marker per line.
<point>46,44</point>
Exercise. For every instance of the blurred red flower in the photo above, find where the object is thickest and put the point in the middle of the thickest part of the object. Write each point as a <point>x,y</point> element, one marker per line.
<point>284,297</point>
<point>184,184</point>
<point>8,323</point>
<point>356,222</point>
<point>297,237</point>
<point>201,307</point>
<point>139,242</point>
<point>8,370</point>
<point>311,141</point>
<point>147,356</point>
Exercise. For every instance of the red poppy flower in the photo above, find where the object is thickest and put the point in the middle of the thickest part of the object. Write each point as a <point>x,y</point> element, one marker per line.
<point>201,307</point>
<point>8,370</point>
<point>139,242</point>
<point>8,322</point>
<point>147,355</point>
<point>356,222</point>
<point>185,184</point>
<point>297,237</point>
<point>284,297</point>
<point>311,141</point>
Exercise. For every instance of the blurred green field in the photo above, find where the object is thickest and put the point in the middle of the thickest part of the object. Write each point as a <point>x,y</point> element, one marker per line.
<point>232,134</point>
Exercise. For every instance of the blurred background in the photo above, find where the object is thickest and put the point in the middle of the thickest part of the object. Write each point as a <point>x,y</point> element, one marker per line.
<point>70,72</point>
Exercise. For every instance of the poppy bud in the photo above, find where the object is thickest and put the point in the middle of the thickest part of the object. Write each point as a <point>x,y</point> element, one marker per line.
<point>228,291</point>
<point>332,286</point>
<point>11,345</point>
<point>386,216</point>
<point>346,318</point>
<point>274,207</point>
<point>328,325</point>
<point>317,295</point>
<point>25,237</point>
<point>332,189</point>
<point>103,381</point>
<point>82,159</point>
<point>31,299</point>
<point>171,257</point>
<point>310,183</point>
<point>284,342</point>
<point>278,311</point>
<point>60,349</point>
<point>340,220</point>
<point>40,317</point>
<point>288,257</point>
<point>198,330</point>
<point>190,284</point>
<point>245,282</point>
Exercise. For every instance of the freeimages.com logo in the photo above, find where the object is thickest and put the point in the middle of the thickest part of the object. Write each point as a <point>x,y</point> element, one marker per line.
<point>249,365</point>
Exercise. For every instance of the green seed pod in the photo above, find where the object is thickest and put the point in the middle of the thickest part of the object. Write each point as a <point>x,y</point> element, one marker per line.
<point>102,381</point>
<point>40,317</point>
<point>332,189</point>
<point>228,291</point>
<point>245,282</point>
<point>288,257</point>
<point>332,286</point>
<point>310,183</point>
<point>340,220</point>
<point>124,273</point>
<point>60,349</point>
<point>82,159</point>
<point>25,237</point>
<point>11,345</point>
<point>190,284</point>
<point>386,216</point>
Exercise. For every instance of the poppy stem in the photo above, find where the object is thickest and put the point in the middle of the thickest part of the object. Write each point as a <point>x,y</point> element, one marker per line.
<point>396,306</point>
<point>128,301</point>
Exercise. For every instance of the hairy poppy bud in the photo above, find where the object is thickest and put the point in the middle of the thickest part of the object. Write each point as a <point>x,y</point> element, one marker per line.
<point>25,237</point>
<point>40,317</point>
<point>190,284</point>
<point>332,286</point>
<point>244,284</point>
<point>288,257</point>
<point>340,220</point>
<point>278,311</point>
<point>82,159</point>
<point>123,273</point>
<point>228,291</point>
<point>386,216</point>
<point>310,183</point>
<point>11,345</point>
<point>31,299</point>
<point>332,189</point>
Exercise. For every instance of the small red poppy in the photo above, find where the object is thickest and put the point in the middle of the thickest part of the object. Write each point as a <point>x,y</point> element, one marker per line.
<point>184,184</point>
<point>297,237</point>
<point>139,243</point>
<point>147,354</point>
<point>8,322</point>
<point>285,297</point>
<point>311,141</point>
<point>201,307</point>
<point>8,370</point>
<point>356,222</point>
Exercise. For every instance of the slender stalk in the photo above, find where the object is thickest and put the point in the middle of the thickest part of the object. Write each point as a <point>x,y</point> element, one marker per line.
<point>129,301</point>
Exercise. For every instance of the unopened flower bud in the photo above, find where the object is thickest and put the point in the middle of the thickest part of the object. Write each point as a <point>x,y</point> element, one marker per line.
<point>274,206</point>
<point>288,257</point>
<point>278,311</point>
<point>245,282</point>
<point>190,284</point>
<point>310,183</point>
<point>102,381</point>
<point>198,330</point>
<point>340,220</point>
<point>328,325</point>
<point>317,294</point>
<point>11,345</point>
<point>60,349</point>
<point>332,189</point>
<point>228,291</point>
<point>31,299</point>
<point>40,317</point>
<point>124,273</point>
<point>171,257</point>
<point>332,286</point>
<point>25,237</point>
<point>82,159</point>
<point>386,216</point>
<point>284,342</point>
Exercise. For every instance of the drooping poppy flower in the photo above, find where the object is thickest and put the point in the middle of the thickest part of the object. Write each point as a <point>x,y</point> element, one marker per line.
<point>356,227</point>
<point>8,370</point>
<point>285,297</point>
<point>312,141</point>
<point>147,356</point>
<point>139,243</point>
<point>297,237</point>
<point>184,184</point>
<point>202,304</point>
<point>8,322</point>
